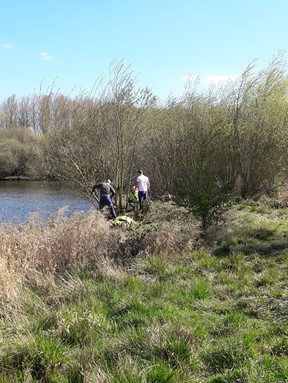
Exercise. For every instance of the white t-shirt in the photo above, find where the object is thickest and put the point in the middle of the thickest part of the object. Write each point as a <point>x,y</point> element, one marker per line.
<point>142,182</point>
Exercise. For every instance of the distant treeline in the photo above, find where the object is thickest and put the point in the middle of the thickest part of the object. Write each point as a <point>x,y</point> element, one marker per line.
<point>231,137</point>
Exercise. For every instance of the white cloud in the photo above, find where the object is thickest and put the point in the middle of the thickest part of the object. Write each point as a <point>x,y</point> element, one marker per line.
<point>217,79</point>
<point>45,56</point>
<point>7,45</point>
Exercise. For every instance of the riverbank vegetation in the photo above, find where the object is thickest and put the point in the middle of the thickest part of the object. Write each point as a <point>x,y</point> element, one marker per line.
<point>202,148</point>
<point>84,301</point>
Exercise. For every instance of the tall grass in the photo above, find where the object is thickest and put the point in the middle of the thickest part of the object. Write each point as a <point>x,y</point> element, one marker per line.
<point>73,310</point>
<point>37,252</point>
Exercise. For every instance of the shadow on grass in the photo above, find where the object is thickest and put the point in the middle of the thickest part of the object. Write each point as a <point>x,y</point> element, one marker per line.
<point>262,241</point>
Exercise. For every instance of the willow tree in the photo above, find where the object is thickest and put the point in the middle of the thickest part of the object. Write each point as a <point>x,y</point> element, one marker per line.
<point>160,149</point>
<point>125,130</point>
<point>258,121</point>
<point>197,183</point>
<point>96,136</point>
<point>240,135</point>
<point>264,140</point>
<point>75,147</point>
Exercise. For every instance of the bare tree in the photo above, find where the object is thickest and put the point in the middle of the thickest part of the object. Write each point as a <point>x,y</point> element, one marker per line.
<point>127,106</point>
<point>96,138</point>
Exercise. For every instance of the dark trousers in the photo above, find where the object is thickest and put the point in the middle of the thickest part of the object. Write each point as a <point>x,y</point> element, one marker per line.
<point>106,200</point>
<point>142,196</point>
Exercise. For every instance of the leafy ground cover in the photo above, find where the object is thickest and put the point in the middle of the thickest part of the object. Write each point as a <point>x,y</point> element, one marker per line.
<point>213,311</point>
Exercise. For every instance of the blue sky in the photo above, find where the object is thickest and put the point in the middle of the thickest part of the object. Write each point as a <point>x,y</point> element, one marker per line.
<point>68,45</point>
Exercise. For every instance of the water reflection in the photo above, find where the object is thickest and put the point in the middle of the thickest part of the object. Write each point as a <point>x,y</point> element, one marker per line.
<point>20,199</point>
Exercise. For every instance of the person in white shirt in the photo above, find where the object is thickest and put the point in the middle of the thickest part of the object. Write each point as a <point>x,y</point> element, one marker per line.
<point>143,186</point>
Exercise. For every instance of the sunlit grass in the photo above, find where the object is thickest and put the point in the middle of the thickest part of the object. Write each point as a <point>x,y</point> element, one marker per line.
<point>199,316</point>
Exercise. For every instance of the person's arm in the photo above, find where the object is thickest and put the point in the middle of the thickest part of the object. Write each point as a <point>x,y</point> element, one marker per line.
<point>95,187</point>
<point>112,191</point>
<point>148,185</point>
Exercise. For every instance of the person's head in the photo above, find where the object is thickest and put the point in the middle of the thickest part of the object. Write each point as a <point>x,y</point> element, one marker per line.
<point>133,188</point>
<point>140,171</point>
<point>108,181</point>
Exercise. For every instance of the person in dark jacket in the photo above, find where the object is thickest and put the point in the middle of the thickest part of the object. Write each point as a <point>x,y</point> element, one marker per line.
<point>106,194</point>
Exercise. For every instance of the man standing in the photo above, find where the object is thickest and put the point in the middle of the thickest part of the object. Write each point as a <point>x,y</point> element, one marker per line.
<point>143,186</point>
<point>106,194</point>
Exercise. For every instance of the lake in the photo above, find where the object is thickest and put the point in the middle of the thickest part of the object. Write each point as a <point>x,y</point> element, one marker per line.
<point>19,199</point>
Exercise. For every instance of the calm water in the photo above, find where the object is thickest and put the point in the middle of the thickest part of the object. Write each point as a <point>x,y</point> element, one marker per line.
<point>19,199</point>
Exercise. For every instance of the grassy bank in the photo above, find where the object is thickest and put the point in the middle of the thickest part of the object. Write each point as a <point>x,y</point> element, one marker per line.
<point>82,301</point>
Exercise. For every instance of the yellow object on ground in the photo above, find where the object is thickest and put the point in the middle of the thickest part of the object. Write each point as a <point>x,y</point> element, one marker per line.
<point>123,220</point>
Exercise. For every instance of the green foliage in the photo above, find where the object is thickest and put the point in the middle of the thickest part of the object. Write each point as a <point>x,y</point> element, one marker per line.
<point>20,154</point>
<point>8,161</point>
<point>199,190</point>
<point>207,201</point>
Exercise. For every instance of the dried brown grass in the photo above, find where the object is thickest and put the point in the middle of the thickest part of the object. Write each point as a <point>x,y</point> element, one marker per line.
<point>36,252</point>
<point>172,230</point>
